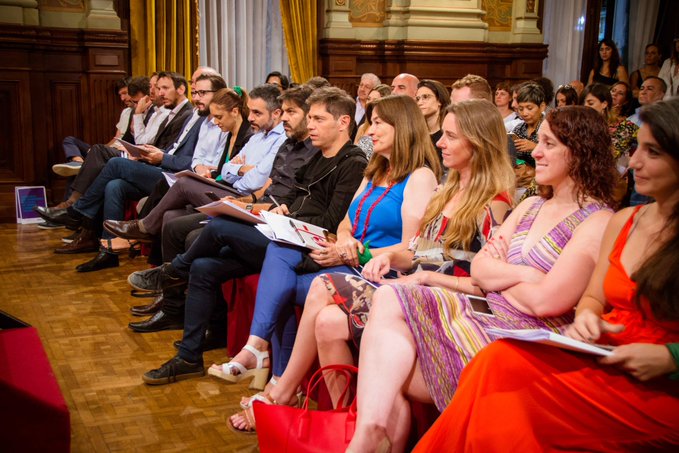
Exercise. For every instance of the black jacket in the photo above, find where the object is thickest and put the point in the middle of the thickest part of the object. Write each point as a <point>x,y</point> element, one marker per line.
<point>326,187</point>
<point>169,131</point>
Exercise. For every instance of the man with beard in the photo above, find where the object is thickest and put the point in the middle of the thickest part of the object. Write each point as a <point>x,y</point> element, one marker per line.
<point>123,179</point>
<point>293,154</point>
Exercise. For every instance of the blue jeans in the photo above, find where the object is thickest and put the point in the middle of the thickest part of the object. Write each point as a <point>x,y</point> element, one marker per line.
<point>280,288</point>
<point>129,179</point>
<point>225,249</point>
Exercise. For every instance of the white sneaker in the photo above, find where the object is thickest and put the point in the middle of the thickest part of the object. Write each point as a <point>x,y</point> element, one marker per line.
<point>67,169</point>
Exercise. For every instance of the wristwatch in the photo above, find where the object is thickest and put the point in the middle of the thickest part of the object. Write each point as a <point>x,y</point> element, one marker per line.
<point>248,207</point>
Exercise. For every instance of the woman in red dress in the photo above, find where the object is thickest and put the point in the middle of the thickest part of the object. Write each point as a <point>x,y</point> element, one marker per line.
<point>518,396</point>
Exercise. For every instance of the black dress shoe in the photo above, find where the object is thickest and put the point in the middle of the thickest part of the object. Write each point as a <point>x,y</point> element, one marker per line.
<point>127,229</point>
<point>103,260</point>
<point>156,323</point>
<point>67,217</point>
<point>155,279</point>
<point>148,309</point>
<point>85,241</point>
<point>211,340</point>
<point>175,369</point>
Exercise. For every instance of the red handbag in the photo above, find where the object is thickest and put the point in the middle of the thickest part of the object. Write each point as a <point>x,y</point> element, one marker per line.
<point>301,430</point>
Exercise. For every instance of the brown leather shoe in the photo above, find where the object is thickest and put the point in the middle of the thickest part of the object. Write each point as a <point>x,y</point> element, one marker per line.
<point>84,242</point>
<point>148,309</point>
<point>127,229</point>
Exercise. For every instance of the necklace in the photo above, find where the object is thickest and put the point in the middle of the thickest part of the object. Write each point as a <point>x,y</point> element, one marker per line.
<point>357,216</point>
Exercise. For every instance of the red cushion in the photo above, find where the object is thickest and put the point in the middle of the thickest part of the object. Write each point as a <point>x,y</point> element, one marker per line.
<point>33,413</point>
<point>239,294</point>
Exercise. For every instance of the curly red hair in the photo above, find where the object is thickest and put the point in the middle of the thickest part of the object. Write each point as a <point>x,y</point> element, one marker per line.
<point>591,164</point>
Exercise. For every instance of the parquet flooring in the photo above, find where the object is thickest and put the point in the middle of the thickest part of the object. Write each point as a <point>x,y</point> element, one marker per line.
<point>82,321</point>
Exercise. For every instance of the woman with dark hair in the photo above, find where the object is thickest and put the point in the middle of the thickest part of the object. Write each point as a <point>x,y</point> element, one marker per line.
<point>669,71</point>
<point>526,397</point>
<point>503,102</point>
<point>623,102</point>
<point>621,130</point>
<point>533,270</point>
<point>279,79</point>
<point>432,99</point>
<point>383,215</point>
<point>607,66</point>
<point>363,140</point>
<point>458,221</point>
<point>651,67</point>
<point>565,95</point>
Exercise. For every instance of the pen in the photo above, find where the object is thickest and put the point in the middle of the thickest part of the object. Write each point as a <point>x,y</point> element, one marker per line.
<point>274,201</point>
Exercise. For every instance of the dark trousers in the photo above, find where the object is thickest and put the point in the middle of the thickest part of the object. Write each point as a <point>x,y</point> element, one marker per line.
<point>178,235</point>
<point>224,250</point>
<point>94,162</point>
<point>186,191</point>
<point>74,147</point>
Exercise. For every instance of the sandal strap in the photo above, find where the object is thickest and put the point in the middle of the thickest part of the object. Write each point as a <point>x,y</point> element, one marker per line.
<point>229,367</point>
<point>259,355</point>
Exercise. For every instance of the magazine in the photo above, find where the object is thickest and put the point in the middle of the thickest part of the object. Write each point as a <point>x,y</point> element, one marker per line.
<point>552,339</point>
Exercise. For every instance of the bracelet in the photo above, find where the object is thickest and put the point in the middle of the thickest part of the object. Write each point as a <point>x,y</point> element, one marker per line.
<point>457,283</point>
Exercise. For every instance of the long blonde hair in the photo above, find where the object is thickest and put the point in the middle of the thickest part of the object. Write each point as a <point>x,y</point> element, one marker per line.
<point>478,122</point>
<point>412,145</point>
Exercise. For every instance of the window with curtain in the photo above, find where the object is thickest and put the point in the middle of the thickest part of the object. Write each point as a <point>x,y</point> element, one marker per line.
<point>242,39</point>
<point>564,26</point>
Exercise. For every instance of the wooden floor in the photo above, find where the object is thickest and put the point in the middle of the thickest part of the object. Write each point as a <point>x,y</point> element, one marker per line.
<point>82,320</point>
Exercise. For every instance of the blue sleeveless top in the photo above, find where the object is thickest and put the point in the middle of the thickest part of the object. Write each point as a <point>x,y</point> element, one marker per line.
<point>386,224</point>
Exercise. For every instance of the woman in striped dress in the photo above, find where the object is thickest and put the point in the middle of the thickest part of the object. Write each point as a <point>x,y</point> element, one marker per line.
<point>534,271</point>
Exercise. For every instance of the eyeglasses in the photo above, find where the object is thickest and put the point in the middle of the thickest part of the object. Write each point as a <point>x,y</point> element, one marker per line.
<point>201,93</point>
<point>565,87</point>
<point>424,97</point>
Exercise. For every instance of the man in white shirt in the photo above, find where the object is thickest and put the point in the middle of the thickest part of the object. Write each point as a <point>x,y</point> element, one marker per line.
<point>365,86</point>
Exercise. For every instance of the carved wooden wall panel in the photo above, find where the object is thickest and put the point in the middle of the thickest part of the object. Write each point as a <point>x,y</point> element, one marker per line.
<point>344,60</point>
<point>54,83</point>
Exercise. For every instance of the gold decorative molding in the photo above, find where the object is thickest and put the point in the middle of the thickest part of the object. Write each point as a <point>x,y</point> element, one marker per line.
<point>367,13</point>
<point>498,14</point>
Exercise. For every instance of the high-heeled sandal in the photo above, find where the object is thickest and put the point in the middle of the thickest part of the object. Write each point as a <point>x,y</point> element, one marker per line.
<point>259,373</point>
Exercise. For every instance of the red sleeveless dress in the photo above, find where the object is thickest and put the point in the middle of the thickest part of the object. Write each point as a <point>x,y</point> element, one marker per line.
<point>517,396</point>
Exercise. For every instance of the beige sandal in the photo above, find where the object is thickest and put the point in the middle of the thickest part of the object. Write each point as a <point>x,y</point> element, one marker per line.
<point>234,372</point>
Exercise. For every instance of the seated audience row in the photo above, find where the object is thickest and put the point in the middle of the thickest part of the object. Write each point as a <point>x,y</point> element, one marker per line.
<point>411,275</point>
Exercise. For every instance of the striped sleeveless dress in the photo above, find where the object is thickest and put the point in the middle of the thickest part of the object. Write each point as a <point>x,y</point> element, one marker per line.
<point>448,333</point>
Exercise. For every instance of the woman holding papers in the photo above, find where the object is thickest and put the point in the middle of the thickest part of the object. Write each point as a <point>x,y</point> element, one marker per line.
<point>230,112</point>
<point>534,270</point>
<point>473,143</point>
<point>527,397</point>
<point>385,212</point>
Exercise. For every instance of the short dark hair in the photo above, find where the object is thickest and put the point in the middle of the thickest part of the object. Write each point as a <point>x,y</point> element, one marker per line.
<point>139,84</point>
<point>285,82</point>
<point>298,95</point>
<point>337,102</point>
<point>177,79</point>
<point>318,82</point>
<point>216,81</point>
<point>662,82</point>
<point>122,83</point>
<point>547,87</point>
<point>269,94</point>
<point>530,92</point>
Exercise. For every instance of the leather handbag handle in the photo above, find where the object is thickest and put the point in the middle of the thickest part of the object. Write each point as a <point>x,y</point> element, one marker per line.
<point>317,377</point>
